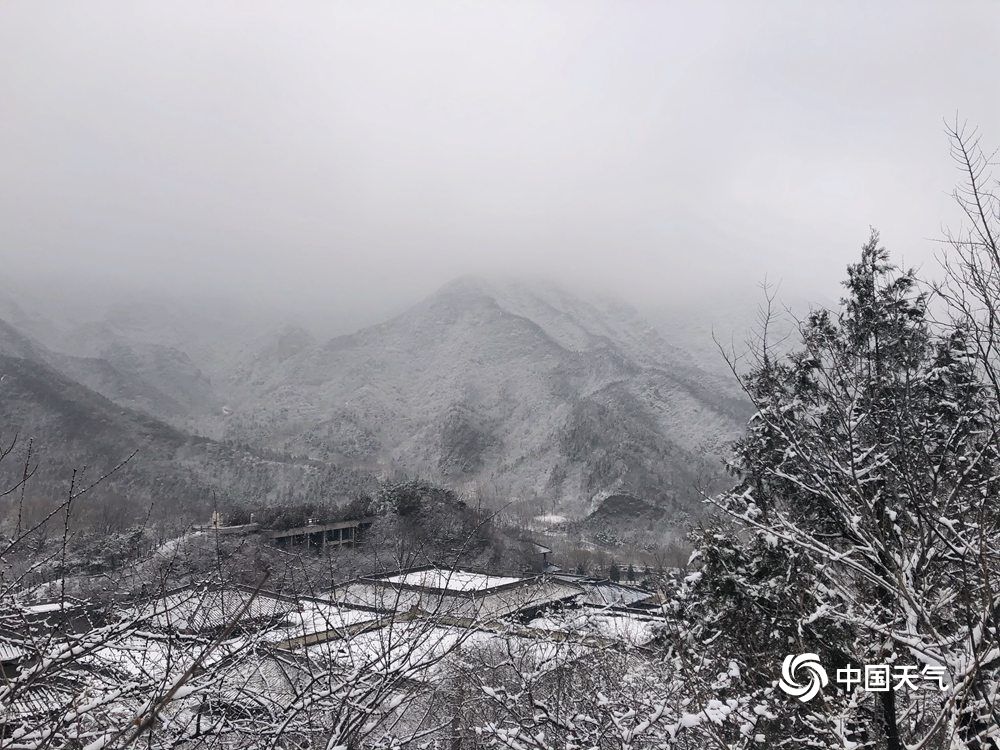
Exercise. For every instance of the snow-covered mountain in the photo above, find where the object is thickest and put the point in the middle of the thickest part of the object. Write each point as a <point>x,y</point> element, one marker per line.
<point>71,427</point>
<point>503,389</point>
<point>514,389</point>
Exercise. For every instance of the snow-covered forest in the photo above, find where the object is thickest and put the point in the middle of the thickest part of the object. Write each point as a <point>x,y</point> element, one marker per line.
<point>535,375</point>
<point>860,537</point>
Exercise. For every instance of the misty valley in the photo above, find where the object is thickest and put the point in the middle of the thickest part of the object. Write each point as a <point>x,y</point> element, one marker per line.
<point>537,375</point>
<point>502,465</point>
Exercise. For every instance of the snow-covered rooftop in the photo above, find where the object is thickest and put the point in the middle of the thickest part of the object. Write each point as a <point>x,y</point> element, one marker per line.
<point>452,593</point>
<point>193,609</point>
<point>10,651</point>
<point>313,618</point>
<point>425,649</point>
<point>631,628</point>
<point>451,580</point>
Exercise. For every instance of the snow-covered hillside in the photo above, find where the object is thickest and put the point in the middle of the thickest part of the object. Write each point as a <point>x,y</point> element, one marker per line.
<point>521,390</point>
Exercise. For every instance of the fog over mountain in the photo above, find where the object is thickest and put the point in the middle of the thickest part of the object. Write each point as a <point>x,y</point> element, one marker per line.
<point>507,388</point>
<point>509,374</point>
<point>248,225</point>
<point>342,161</point>
<point>534,389</point>
<point>494,245</point>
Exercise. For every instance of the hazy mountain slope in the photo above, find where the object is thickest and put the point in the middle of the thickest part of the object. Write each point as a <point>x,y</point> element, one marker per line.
<point>180,475</point>
<point>503,388</point>
<point>125,384</point>
<point>13,343</point>
<point>122,385</point>
<point>163,356</point>
<point>27,322</point>
<point>735,323</point>
<point>521,388</point>
<point>65,415</point>
<point>177,389</point>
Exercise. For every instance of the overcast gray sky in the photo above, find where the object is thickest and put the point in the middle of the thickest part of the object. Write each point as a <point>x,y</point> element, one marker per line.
<point>345,153</point>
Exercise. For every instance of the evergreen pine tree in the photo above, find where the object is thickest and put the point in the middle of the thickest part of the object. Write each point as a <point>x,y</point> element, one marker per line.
<point>862,526</point>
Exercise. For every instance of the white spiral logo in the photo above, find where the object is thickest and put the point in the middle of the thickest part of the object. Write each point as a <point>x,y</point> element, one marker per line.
<point>817,676</point>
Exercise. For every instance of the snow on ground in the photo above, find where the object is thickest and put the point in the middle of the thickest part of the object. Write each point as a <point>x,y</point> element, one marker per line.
<point>169,548</point>
<point>451,580</point>
<point>636,630</point>
<point>319,617</point>
<point>550,519</point>
<point>425,650</point>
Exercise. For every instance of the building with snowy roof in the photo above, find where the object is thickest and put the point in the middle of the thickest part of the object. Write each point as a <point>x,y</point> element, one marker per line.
<point>605,592</point>
<point>209,609</point>
<point>457,593</point>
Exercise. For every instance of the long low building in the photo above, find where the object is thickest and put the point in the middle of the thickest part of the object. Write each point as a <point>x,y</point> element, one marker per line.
<point>390,646</point>
<point>459,593</point>
<point>320,535</point>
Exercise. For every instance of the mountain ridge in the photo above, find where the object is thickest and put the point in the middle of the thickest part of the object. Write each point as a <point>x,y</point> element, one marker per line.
<point>71,427</point>
<point>483,360</point>
<point>502,389</point>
